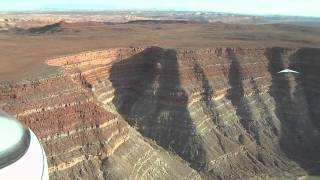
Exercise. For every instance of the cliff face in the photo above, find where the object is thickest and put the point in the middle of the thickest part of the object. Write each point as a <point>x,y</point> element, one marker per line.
<point>221,113</point>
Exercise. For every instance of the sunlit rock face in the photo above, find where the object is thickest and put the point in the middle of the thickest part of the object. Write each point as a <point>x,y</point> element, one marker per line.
<point>154,113</point>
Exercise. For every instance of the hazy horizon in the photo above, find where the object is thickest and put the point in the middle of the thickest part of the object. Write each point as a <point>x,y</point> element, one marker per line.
<point>249,7</point>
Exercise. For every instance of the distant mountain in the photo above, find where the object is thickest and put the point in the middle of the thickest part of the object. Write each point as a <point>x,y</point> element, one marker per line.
<point>57,27</point>
<point>160,22</point>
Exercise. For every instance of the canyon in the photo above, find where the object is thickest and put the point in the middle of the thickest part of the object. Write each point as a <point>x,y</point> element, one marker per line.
<point>28,48</point>
<point>174,113</point>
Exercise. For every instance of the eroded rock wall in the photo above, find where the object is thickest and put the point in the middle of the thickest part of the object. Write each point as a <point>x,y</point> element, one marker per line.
<point>148,113</point>
<point>82,139</point>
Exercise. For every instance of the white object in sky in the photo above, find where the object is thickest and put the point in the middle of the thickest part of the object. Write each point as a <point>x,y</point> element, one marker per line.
<point>288,71</point>
<point>21,154</point>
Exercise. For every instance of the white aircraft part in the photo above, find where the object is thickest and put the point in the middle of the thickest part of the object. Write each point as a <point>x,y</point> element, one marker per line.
<point>288,71</point>
<point>32,165</point>
<point>11,131</point>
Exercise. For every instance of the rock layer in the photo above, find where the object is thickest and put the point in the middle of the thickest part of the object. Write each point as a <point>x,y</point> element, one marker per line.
<point>154,113</point>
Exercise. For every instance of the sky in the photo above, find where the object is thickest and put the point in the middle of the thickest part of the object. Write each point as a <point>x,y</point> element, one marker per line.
<point>254,7</point>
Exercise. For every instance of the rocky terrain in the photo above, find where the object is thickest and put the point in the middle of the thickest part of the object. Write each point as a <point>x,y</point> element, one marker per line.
<point>29,19</point>
<point>28,48</point>
<point>38,19</point>
<point>157,113</point>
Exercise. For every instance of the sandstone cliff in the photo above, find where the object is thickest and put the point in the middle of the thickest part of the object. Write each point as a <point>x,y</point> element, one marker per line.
<point>154,113</point>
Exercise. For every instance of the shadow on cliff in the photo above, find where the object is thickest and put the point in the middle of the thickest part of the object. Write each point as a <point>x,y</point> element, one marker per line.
<point>208,91</point>
<point>306,61</point>
<point>236,95</point>
<point>149,95</point>
<point>210,108</point>
<point>298,137</point>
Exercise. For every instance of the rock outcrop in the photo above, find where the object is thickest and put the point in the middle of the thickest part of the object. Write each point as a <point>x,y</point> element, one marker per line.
<point>154,113</point>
